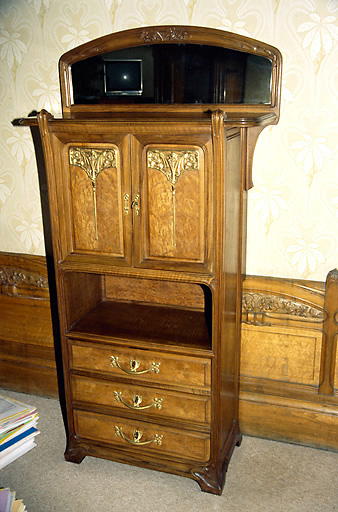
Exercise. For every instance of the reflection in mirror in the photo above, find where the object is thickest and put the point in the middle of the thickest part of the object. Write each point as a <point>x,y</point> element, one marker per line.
<point>173,73</point>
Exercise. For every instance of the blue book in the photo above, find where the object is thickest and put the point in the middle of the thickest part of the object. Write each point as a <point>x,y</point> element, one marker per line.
<point>19,437</point>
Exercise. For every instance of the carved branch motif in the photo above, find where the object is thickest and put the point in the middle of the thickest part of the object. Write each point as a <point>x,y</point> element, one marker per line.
<point>171,34</point>
<point>179,34</point>
<point>93,161</point>
<point>10,276</point>
<point>173,164</point>
<point>260,50</point>
<point>265,305</point>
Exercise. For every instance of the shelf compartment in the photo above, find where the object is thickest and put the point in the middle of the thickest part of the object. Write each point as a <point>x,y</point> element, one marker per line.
<point>145,323</point>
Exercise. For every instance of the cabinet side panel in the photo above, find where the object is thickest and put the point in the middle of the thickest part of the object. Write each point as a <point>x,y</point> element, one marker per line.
<point>230,293</point>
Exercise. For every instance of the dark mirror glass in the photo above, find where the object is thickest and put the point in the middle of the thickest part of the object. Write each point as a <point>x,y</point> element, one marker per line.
<point>173,73</point>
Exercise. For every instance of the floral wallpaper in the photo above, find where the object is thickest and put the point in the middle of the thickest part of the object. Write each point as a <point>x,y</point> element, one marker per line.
<point>293,208</point>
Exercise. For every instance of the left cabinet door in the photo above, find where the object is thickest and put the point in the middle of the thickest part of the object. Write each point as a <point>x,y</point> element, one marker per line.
<point>92,201</point>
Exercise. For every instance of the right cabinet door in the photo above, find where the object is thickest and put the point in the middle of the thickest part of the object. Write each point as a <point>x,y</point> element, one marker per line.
<point>173,228</point>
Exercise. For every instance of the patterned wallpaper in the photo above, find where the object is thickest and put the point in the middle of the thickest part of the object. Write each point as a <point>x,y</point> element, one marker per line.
<point>293,209</point>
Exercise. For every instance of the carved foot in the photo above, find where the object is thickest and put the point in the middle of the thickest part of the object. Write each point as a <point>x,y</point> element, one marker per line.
<point>209,479</point>
<point>75,452</point>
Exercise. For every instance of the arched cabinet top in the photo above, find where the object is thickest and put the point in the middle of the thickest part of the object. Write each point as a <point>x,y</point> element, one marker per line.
<point>163,68</point>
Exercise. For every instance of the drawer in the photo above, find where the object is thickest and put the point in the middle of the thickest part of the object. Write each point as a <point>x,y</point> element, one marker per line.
<point>146,365</point>
<point>141,437</point>
<point>142,400</point>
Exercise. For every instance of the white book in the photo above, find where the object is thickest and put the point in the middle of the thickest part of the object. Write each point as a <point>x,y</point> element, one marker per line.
<point>21,449</point>
<point>11,409</point>
<point>17,429</point>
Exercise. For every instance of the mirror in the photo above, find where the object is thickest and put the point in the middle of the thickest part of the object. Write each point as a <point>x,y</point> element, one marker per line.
<point>173,73</point>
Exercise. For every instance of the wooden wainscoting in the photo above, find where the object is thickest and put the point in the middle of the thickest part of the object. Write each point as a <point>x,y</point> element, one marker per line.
<point>289,359</point>
<point>289,370</point>
<point>27,357</point>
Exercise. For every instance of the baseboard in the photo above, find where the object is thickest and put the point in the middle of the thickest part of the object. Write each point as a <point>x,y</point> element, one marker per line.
<point>290,420</point>
<point>289,370</point>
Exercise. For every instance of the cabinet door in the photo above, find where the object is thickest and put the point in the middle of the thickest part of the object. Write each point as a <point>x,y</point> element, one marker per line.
<point>97,202</point>
<point>94,200</point>
<point>174,191</point>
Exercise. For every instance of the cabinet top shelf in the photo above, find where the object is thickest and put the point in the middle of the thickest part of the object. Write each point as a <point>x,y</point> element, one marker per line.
<point>154,114</point>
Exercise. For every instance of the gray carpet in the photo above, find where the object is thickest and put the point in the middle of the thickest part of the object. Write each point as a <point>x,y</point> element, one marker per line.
<point>263,476</point>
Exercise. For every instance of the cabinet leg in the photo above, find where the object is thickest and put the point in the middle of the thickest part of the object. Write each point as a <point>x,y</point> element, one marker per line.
<point>75,452</point>
<point>209,479</point>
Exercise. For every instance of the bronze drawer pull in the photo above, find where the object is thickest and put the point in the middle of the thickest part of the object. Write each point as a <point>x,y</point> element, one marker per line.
<point>137,436</point>
<point>137,400</point>
<point>134,364</point>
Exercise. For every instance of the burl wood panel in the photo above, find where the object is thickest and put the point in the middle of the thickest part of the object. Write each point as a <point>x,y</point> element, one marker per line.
<point>281,354</point>
<point>287,361</point>
<point>109,210</point>
<point>155,292</point>
<point>176,212</point>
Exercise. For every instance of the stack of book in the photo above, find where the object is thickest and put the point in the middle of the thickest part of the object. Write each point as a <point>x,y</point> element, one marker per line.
<point>18,423</point>
<point>8,503</point>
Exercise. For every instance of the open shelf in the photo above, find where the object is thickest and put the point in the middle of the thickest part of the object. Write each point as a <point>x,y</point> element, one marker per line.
<point>142,322</point>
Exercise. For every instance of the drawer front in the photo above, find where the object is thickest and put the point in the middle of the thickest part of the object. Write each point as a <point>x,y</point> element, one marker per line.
<point>144,365</point>
<point>141,437</point>
<point>142,400</point>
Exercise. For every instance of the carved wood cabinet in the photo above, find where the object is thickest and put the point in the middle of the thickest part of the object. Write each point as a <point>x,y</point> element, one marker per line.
<point>148,170</point>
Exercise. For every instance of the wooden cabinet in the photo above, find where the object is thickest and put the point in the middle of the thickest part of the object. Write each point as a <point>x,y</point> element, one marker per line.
<point>143,198</point>
<point>148,200</point>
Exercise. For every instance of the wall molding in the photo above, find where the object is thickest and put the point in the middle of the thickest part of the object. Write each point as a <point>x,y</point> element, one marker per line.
<point>289,369</point>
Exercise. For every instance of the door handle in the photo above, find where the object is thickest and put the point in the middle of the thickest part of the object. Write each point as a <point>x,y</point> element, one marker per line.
<point>135,205</point>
